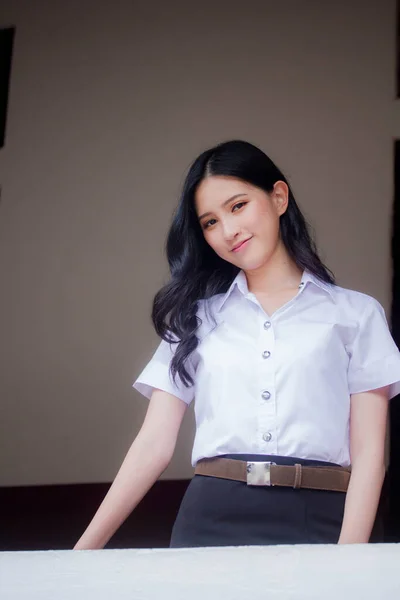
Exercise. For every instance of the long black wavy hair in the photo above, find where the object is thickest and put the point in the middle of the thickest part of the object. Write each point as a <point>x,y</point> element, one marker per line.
<point>197,272</point>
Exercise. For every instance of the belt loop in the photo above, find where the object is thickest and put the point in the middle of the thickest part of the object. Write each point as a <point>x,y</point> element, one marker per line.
<point>297,477</point>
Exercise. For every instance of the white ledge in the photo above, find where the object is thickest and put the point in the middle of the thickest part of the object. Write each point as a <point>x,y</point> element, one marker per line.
<point>320,572</point>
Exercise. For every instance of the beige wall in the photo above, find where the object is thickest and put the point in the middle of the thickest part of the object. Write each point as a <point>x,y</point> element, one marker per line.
<point>109,103</point>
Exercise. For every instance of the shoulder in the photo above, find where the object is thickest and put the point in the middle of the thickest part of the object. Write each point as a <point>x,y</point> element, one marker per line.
<point>209,305</point>
<point>356,304</point>
<point>207,315</point>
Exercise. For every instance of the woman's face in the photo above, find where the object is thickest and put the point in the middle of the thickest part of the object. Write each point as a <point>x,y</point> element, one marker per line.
<point>231,212</point>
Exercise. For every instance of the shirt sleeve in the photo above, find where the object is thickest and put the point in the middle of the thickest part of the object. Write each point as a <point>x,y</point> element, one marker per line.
<point>156,375</point>
<point>374,356</point>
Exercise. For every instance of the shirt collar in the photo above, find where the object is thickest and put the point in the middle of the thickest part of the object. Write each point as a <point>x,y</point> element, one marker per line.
<point>240,283</point>
<point>310,278</point>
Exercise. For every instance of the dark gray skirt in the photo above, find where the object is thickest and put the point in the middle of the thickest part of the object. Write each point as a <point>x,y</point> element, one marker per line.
<point>220,512</point>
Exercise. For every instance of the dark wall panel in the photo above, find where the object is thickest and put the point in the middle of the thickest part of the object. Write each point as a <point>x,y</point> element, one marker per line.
<point>53,517</point>
<point>6,50</point>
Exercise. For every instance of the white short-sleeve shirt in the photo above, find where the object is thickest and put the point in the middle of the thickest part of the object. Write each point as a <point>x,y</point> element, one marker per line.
<point>281,384</point>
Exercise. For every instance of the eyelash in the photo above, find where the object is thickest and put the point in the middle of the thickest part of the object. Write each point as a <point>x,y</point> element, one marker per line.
<point>206,225</point>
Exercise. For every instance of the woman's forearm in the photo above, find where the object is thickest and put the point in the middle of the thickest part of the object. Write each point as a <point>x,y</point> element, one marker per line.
<point>362,500</point>
<point>139,471</point>
<point>147,458</point>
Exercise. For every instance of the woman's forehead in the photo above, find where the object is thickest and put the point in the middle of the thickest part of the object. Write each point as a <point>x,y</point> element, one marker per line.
<point>216,189</point>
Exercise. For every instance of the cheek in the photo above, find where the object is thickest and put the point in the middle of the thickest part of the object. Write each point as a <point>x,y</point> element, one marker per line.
<point>266,230</point>
<point>212,240</point>
<point>257,217</point>
<point>267,220</point>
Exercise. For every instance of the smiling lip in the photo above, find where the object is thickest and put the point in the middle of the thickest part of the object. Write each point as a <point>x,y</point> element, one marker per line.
<point>240,246</point>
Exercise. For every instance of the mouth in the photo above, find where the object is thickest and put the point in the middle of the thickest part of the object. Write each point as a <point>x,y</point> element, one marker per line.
<point>241,246</point>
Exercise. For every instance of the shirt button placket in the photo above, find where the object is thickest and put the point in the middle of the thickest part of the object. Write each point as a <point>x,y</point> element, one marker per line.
<point>266,437</point>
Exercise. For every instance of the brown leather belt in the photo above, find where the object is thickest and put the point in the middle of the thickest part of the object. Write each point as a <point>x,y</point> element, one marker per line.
<point>269,474</point>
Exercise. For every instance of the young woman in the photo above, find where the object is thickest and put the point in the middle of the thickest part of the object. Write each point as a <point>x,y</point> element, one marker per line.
<point>291,374</point>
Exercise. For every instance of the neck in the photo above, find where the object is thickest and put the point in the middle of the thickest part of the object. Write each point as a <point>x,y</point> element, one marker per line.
<point>278,274</point>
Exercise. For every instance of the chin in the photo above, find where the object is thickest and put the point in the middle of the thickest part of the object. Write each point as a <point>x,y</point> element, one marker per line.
<point>252,264</point>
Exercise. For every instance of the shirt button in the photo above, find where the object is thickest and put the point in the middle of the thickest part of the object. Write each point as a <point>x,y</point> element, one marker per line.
<point>267,324</point>
<point>266,354</point>
<point>267,437</point>
<point>266,395</point>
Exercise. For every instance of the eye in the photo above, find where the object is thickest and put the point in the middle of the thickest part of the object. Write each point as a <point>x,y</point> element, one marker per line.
<point>207,224</point>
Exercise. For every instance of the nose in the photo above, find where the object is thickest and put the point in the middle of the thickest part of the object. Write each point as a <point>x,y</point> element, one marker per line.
<point>230,229</point>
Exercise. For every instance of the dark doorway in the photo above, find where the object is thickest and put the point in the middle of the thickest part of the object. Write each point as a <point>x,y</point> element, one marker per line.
<point>392,526</point>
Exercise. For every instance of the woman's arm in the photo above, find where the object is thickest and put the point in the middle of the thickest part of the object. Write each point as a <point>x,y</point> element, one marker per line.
<point>368,417</point>
<point>146,459</point>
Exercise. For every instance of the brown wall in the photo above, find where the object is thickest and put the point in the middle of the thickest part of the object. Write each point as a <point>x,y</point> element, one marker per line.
<point>109,102</point>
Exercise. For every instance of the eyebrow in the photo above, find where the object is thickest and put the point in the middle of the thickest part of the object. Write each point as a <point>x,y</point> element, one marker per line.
<point>223,204</point>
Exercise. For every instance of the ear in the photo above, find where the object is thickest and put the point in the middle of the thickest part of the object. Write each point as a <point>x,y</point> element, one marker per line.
<point>280,197</point>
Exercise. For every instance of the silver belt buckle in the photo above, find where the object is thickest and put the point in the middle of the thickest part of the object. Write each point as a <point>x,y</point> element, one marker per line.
<point>259,473</point>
